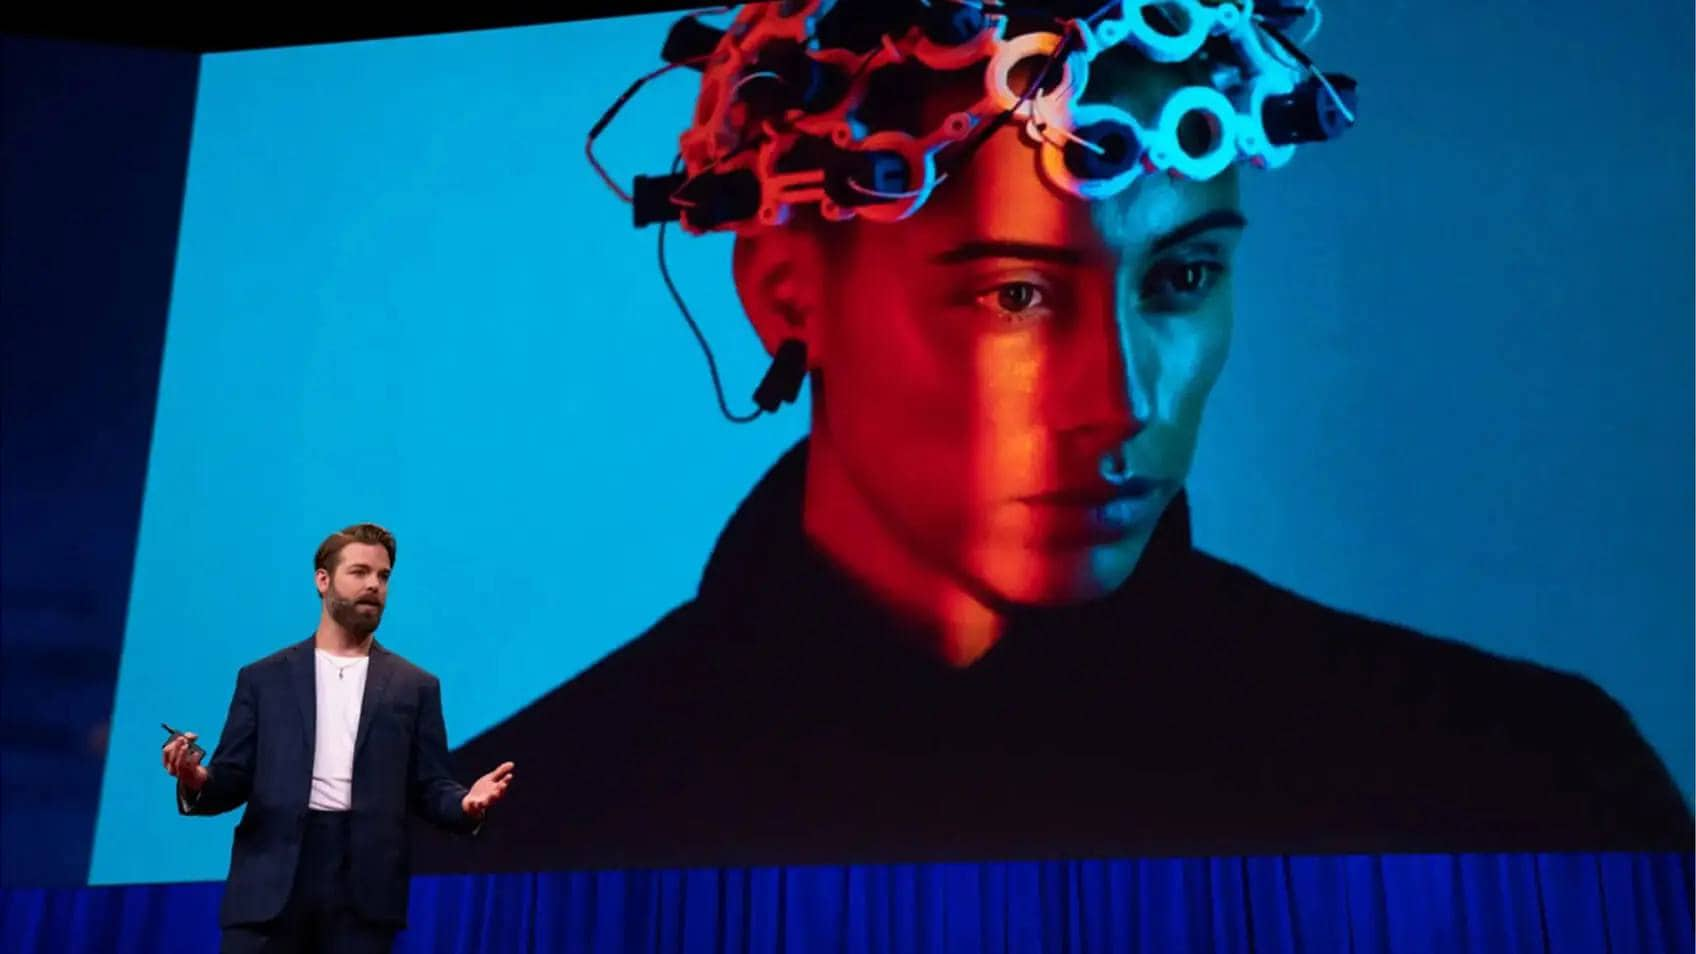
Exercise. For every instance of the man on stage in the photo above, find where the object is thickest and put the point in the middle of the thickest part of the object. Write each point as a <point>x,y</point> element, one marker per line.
<point>329,742</point>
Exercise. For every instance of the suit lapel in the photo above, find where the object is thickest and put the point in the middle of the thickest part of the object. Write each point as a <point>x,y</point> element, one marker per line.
<point>304,675</point>
<point>376,688</point>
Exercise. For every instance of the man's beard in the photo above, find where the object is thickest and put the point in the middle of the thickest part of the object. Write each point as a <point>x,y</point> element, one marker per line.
<point>353,618</point>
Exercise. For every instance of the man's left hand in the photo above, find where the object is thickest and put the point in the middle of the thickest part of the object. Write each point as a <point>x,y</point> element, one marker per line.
<point>487,790</point>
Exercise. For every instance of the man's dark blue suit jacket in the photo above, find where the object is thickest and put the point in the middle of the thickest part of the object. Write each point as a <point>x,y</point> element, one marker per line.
<point>264,760</point>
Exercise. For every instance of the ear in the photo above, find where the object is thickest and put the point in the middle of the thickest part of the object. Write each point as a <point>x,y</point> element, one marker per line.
<point>321,579</point>
<point>779,277</point>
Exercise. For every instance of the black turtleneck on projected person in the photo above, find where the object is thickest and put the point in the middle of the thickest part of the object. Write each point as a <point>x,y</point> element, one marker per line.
<point>781,717</point>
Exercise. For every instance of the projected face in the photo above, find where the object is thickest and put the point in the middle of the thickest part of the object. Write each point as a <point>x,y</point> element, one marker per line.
<point>357,590</point>
<point>1010,383</point>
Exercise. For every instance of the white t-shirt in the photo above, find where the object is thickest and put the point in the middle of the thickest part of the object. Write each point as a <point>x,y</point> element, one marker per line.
<point>341,692</point>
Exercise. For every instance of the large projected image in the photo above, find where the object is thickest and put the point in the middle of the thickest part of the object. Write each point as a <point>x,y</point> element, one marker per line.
<point>993,585</point>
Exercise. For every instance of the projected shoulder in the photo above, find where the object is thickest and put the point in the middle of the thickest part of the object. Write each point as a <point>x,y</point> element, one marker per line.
<point>1438,736</point>
<point>1342,650</point>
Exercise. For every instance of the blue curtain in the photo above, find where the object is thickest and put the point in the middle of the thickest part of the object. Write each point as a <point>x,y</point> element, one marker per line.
<point>1438,903</point>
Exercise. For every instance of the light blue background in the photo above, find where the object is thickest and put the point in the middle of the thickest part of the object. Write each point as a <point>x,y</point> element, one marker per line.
<point>1460,396</point>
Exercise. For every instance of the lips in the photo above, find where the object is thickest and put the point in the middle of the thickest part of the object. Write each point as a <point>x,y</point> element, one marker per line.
<point>1097,514</point>
<point>1100,494</point>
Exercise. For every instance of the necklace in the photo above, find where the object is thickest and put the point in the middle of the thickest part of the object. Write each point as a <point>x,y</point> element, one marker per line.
<point>341,671</point>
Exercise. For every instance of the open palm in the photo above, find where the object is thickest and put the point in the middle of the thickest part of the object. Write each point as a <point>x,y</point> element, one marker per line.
<point>487,790</point>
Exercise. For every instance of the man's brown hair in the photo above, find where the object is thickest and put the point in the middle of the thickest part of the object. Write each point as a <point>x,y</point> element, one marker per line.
<point>330,551</point>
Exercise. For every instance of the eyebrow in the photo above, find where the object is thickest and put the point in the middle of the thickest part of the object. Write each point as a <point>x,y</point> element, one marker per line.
<point>1065,255</point>
<point>1030,251</point>
<point>1206,222</point>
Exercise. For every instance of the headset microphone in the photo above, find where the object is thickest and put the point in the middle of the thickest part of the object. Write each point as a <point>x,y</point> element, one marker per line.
<point>782,382</point>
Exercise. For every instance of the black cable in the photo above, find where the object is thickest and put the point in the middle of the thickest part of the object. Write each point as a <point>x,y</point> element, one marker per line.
<point>665,271</point>
<point>706,349</point>
<point>959,160</point>
<point>1312,68</point>
<point>1289,46</point>
<point>612,111</point>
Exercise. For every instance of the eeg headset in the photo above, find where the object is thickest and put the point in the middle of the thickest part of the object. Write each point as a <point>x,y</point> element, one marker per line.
<point>788,114</point>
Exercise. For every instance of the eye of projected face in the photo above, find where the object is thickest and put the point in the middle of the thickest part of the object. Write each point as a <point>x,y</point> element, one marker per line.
<point>1017,302</point>
<point>1179,286</point>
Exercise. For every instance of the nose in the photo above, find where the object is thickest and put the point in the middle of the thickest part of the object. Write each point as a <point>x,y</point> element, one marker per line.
<point>1114,464</point>
<point>1098,406</point>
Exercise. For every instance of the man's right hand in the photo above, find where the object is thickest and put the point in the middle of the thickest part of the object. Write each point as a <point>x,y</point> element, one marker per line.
<point>182,760</point>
